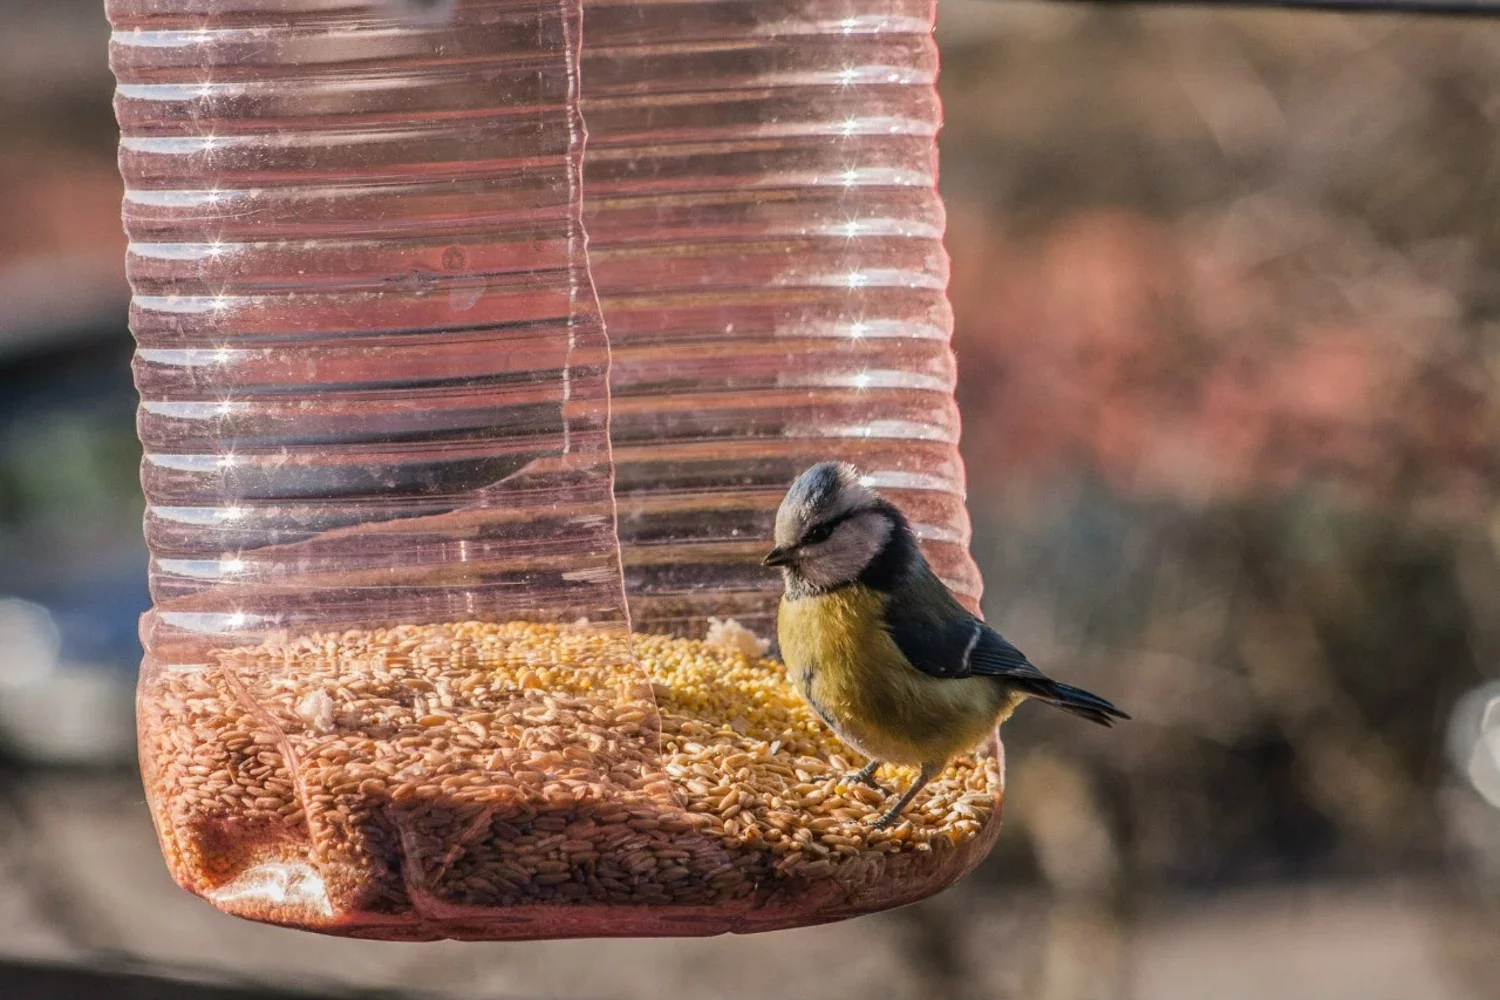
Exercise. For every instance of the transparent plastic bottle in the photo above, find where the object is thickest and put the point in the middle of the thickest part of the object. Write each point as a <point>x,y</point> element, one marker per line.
<point>475,352</point>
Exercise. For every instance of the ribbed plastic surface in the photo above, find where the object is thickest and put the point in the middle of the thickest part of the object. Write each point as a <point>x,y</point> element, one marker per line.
<point>362,300</point>
<point>766,239</point>
<point>526,316</point>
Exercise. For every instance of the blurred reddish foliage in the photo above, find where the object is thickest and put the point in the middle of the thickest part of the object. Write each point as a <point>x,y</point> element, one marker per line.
<point>56,204</point>
<point>1181,361</point>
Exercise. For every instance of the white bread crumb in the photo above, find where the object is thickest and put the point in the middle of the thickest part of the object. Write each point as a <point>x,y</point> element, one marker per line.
<point>317,711</point>
<point>726,633</point>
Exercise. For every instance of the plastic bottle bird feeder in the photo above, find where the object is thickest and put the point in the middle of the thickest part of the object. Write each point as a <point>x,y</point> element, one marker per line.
<point>474,355</point>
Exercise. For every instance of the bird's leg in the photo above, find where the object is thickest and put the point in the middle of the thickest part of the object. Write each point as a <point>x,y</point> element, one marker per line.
<point>928,772</point>
<point>866,776</point>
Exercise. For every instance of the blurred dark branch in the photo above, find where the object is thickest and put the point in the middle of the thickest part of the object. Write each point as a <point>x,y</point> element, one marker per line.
<point>49,981</point>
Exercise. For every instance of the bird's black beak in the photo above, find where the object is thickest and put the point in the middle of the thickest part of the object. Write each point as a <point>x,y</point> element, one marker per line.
<point>779,556</point>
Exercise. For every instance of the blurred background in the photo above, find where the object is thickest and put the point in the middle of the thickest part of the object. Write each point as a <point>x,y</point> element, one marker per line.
<point>1227,287</point>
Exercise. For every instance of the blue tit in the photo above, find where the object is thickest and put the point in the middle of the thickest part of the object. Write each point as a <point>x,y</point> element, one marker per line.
<point>880,648</point>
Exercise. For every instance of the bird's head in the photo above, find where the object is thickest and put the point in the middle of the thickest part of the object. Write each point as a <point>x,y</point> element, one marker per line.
<point>831,527</point>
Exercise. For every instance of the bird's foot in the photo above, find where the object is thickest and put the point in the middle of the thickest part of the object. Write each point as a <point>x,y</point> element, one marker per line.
<point>866,776</point>
<point>891,815</point>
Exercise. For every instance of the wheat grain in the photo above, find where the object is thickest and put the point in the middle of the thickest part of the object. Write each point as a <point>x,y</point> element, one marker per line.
<point>490,765</point>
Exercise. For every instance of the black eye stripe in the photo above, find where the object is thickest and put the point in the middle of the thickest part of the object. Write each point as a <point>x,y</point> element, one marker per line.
<point>820,531</point>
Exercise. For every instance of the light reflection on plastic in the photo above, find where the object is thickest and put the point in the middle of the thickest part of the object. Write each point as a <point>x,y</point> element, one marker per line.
<point>279,882</point>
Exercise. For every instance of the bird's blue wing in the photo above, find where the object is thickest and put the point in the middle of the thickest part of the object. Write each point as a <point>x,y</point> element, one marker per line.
<point>960,649</point>
<point>993,655</point>
<point>938,637</point>
<point>934,648</point>
<point>941,639</point>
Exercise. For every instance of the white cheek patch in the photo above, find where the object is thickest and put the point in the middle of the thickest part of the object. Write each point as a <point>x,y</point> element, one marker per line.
<point>852,547</point>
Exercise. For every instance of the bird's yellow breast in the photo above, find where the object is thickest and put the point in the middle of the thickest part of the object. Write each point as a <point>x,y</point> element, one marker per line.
<point>841,658</point>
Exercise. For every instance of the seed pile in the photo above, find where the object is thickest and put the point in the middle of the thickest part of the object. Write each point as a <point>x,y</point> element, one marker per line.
<point>432,772</point>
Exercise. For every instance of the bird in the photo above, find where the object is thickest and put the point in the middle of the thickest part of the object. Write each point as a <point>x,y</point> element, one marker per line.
<point>880,648</point>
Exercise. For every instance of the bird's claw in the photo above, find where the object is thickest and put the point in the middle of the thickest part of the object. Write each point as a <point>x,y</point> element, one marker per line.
<point>864,777</point>
<point>887,818</point>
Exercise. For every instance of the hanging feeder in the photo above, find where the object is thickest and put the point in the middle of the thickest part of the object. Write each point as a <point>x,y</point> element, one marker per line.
<point>475,353</point>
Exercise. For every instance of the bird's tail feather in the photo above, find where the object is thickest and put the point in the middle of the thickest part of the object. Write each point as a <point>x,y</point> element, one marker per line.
<point>1077,701</point>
